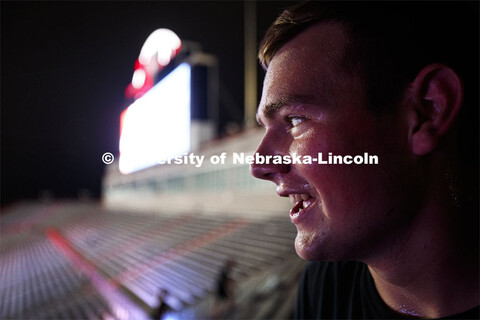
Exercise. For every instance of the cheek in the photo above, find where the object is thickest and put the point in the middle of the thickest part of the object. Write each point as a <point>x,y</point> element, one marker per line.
<point>324,139</point>
<point>309,143</point>
<point>342,188</point>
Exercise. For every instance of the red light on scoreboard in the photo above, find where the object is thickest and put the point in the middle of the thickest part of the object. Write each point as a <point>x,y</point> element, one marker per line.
<point>157,52</point>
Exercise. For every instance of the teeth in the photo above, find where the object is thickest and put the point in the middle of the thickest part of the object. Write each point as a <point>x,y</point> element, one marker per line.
<point>292,199</point>
<point>305,196</point>
<point>298,200</point>
<point>296,208</point>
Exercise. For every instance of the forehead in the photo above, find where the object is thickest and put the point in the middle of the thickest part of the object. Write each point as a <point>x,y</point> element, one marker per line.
<point>309,65</point>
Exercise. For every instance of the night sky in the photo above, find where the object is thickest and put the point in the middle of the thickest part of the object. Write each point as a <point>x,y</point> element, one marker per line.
<point>64,69</point>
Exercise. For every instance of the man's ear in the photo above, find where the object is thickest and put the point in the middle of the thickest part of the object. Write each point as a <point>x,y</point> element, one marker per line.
<point>437,96</point>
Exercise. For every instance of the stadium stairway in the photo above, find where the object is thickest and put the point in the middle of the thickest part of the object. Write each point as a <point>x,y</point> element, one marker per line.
<point>74,260</point>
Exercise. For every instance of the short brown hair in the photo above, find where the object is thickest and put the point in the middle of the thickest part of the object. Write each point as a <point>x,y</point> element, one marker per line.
<point>390,42</point>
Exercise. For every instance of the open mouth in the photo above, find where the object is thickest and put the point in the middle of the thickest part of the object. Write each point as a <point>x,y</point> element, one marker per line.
<point>300,202</point>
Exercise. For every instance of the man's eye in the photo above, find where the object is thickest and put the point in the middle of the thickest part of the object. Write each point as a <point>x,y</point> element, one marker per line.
<point>295,120</point>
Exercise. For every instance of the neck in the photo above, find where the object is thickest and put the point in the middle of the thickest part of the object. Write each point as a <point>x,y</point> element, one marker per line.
<point>425,274</point>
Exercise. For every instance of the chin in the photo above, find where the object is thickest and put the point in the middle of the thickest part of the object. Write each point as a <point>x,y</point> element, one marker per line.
<point>316,248</point>
<point>309,247</point>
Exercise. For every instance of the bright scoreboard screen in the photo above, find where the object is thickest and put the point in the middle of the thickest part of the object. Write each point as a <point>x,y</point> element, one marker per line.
<point>156,127</point>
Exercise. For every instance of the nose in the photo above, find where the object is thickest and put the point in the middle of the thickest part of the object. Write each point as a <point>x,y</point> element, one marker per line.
<point>265,168</point>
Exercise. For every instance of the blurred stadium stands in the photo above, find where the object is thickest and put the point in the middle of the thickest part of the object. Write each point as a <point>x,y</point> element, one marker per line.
<point>77,260</point>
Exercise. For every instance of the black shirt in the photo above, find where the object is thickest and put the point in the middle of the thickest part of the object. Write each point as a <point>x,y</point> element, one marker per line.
<point>345,290</point>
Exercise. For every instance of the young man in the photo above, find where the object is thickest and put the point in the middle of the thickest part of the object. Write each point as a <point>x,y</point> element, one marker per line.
<point>399,81</point>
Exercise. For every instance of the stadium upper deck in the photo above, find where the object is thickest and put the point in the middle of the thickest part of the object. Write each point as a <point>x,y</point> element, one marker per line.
<point>211,188</point>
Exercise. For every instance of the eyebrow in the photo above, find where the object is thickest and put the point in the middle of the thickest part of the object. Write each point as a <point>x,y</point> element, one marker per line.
<point>273,107</point>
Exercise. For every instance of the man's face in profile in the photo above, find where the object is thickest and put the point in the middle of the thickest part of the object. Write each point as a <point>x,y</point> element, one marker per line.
<point>311,105</point>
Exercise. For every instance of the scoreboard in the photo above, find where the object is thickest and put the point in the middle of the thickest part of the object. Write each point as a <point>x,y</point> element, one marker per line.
<point>173,115</point>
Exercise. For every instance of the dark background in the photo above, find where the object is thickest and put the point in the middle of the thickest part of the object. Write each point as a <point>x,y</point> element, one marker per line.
<point>64,69</point>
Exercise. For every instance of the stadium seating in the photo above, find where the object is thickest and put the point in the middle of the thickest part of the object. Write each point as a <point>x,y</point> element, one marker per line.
<point>56,277</point>
<point>36,280</point>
